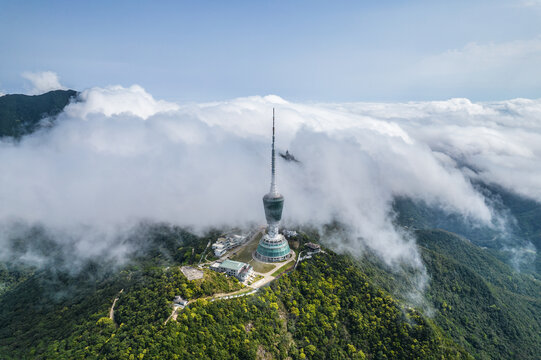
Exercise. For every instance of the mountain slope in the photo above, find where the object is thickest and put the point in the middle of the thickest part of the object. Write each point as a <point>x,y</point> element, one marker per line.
<point>518,244</point>
<point>326,309</point>
<point>487,307</point>
<point>21,114</point>
<point>483,304</point>
<point>332,306</point>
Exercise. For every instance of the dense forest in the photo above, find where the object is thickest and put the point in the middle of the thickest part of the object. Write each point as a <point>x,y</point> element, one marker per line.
<point>483,304</point>
<point>517,243</point>
<point>488,308</point>
<point>21,114</point>
<point>327,309</point>
<point>331,307</point>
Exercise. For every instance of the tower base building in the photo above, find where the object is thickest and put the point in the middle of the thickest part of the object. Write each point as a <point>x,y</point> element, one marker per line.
<point>273,249</point>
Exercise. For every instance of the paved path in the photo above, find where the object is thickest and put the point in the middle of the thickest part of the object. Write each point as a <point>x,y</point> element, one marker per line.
<point>299,259</point>
<point>233,294</point>
<point>173,315</point>
<point>267,277</point>
<point>204,253</point>
<point>112,310</point>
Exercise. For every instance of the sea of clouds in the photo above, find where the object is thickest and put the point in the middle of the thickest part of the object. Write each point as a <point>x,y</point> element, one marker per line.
<point>117,156</point>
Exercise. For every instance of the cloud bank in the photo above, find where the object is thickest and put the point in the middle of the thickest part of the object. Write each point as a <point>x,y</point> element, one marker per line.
<point>119,156</point>
<point>42,82</point>
<point>512,66</point>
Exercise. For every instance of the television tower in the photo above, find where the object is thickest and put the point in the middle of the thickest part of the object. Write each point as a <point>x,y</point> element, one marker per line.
<point>273,247</point>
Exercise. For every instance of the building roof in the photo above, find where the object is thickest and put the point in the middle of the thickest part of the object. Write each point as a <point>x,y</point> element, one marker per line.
<point>247,268</point>
<point>232,265</point>
<point>179,300</point>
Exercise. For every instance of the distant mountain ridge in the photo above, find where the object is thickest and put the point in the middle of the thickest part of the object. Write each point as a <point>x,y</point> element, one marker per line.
<point>21,114</point>
<point>485,306</point>
<point>523,226</point>
<point>480,302</point>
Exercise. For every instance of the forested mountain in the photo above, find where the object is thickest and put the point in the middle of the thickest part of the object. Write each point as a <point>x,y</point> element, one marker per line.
<point>332,307</point>
<point>512,244</point>
<point>480,301</point>
<point>327,308</point>
<point>21,114</point>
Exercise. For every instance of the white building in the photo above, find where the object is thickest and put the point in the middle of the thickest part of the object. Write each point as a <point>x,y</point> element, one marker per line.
<point>219,249</point>
<point>240,270</point>
<point>223,244</point>
<point>178,300</point>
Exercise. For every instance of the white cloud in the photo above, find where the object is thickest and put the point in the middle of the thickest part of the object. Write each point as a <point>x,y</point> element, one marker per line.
<point>529,3</point>
<point>506,65</point>
<point>120,156</point>
<point>499,139</point>
<point>43,82</point>
<point>116,100</point>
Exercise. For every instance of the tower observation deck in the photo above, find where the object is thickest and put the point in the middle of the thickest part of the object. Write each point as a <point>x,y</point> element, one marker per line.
<point>273,247</point>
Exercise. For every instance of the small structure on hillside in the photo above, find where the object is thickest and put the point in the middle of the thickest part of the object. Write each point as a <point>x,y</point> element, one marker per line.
<point>315,248</point>
<point>240,270</point>
<point>179,301</point>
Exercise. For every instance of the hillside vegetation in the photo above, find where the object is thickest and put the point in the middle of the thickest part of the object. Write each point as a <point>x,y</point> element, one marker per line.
<point>483,304</point>
<point>331,307</point>
<point>327,309</point>
<point>21,114</point>
<point>518,244</point>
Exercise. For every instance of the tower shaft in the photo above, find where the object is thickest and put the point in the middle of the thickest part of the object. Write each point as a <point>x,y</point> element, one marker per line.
<point>273,189</point>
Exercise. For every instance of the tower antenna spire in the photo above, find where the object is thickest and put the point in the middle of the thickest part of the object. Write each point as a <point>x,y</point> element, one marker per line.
<point>273,161</point>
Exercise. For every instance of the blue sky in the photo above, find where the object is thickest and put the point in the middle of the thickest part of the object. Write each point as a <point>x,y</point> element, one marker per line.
<point>301,50</point>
